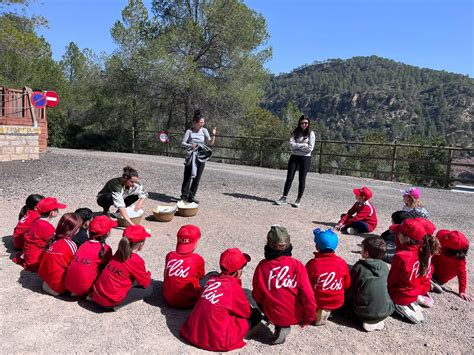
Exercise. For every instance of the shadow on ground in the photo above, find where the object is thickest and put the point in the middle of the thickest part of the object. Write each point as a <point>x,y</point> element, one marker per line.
<point>248,197</point>
<point>162,197</point>
<point>8,243</point>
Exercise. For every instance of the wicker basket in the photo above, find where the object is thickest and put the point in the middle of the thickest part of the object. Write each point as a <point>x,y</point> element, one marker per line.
<point>123,223</point>
<point>164,213</point>
<point>187,209</point>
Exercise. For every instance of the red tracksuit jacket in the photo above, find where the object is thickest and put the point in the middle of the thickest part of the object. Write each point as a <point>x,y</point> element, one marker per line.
<point>117,278</point>
<point>40,232</point>
<point>447,268</point>
<point>181,287</point>
<point>329,276</point>
<point>54,261</point>
<point>281,288</point>
<point>403,283</point>
<point>85,267</point>
<point>218,322</point>
<point>22,227</point>
<point>361,212</point>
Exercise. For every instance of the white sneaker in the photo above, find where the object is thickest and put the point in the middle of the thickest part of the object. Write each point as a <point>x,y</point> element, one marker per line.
<point>297,203</point>
<point>49,290</point>
<point>281,201</point>
<point>412,312</point>
<point>351,230</point>
<point>322,316</point>
<point>425,301</point>
<point>371,326</point>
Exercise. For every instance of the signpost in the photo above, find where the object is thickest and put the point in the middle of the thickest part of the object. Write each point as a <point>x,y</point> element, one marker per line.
<point>38,99</point>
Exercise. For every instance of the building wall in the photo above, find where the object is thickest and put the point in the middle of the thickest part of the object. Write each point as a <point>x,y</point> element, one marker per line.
<point>19,143</point>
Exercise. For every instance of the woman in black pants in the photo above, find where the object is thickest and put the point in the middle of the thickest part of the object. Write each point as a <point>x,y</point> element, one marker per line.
<point>301,143</point>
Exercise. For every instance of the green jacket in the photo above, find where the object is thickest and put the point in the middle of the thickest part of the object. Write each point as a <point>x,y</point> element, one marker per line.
<point>368,291</point>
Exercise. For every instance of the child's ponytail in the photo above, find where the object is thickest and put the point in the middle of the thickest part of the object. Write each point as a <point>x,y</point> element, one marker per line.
<point>102,246</point>
<point>124,249</point>
<point>429,247</point>
<point>50,241</point>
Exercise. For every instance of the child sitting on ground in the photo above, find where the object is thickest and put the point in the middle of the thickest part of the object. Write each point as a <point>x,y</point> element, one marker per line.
<point>361,218</point>
<point>27,215</point>
<point>40,232</point>
<point>57,254</point>
<point>183,270</point>
<point>390,237</point>
<point>451,261</point>
<point>281,286</point>
<point>411,269</point>
<point>368,295</point>
<point>412,202</point>
<point>222,315</point>
<point>82,234</point>
<point>328,274</point>
<point>90,258</point>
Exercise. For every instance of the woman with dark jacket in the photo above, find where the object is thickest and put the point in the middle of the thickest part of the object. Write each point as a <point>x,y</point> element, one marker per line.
<point>301,143</point>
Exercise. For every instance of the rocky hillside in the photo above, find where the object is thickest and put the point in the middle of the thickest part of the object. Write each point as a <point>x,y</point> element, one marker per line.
<point>352,99</point>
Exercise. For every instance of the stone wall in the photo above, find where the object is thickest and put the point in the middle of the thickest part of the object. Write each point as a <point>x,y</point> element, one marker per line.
<point>19,143</point>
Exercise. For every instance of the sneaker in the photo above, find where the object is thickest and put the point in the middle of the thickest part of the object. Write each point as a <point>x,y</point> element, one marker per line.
<point>193,199</point>
<point>412,312</point>
<point>425,301</point>
<point>89,298</point>
<point>49,290</point>
<point>321,316</point>
<point>253,331</point>
<point>436,287</point>
<point>351,230</point>
<point>371,326</point>
<point>281,201</point>
<point>280,335</point>
<point>297,203</point>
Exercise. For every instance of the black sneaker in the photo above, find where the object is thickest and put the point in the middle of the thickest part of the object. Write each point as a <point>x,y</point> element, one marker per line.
<point>193,199</point>
<point>297,203</point>
<point>280,335</point>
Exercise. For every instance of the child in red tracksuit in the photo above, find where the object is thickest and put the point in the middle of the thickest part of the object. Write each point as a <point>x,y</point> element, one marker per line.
<point>328,274</point>
<point>281,286</point>
<point>125,278</point>
<point>451,261</point>
<point>40,232</point>
<point>58,253</point>
<point>27,215</point>
<point>410,273</point>
<point>183,270</point>
<point>91,257</point>
<point>361,218</point>
<point>222,316</point>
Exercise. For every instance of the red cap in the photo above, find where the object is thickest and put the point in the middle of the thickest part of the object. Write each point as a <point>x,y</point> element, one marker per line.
<point>101,225</point>
<point>233,259</point>
<point>363,192</point>
<point>136,233</point>
<point>454,240</point>
<point>188,236</point>
<point>48,204</point>
<point>414,228</point>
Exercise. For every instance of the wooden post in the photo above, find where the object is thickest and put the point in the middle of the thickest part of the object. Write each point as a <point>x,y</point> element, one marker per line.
<point>394,161</point>
<point>261,152</point>
<point>133,139</point>
<point>448,168</point>
<point>320,165</point>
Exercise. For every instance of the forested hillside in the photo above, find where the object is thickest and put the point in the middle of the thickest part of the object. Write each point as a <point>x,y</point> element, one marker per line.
<point>352,99</point>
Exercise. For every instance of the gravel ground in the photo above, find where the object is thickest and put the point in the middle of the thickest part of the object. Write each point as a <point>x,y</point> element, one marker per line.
<point>235,211</point>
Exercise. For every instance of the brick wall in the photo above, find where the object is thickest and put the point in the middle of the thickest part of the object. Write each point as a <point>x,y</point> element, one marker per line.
<point>19,143</point>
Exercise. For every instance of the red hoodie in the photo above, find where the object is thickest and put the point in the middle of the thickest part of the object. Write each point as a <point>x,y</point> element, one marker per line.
<point>329,276</point>
<point>447,268</point>
<point>403,282</point>
<point>54,261</point>
<point>22,227</point>
<point>85,267</point>
<point>361,212</point>
<point>281,288</point>
<point>219,321</point>
<point>116,280</point>
<point>41,231</point>
<point>181,287</point>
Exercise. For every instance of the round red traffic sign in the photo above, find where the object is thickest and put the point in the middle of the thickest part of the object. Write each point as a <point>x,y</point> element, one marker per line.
<point>52,99</point>
<point>38,99</point>
<point>163,136</point>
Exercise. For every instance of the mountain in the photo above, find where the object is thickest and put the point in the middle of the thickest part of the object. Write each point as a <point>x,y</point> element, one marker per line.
<point>354,98</point>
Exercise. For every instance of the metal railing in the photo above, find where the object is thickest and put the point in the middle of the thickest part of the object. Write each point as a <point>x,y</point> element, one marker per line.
<point>422,164</point>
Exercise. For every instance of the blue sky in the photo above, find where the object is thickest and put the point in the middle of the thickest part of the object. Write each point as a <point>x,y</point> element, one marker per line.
<point>437,34</point>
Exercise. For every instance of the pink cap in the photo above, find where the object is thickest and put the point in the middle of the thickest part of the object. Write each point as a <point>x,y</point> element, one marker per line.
<point>413,192</point>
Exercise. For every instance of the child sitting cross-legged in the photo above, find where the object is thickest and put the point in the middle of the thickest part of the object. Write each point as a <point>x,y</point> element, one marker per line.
<point>328,274</point>
<point>368,296</point>
<point>361,218</point>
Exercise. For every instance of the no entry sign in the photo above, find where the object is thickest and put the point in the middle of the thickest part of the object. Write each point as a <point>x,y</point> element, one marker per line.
<point>38,99</point>
<point>52,99</point>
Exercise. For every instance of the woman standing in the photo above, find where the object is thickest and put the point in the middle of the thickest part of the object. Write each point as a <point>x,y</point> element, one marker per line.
<point>194,141</point>
<point>122,192</point>
<point>301,143</point>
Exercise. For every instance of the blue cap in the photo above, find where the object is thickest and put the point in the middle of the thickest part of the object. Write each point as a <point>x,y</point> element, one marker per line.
<point>325,239</point>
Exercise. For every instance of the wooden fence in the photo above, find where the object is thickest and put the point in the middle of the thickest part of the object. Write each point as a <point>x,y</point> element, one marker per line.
<point>422,164</point>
